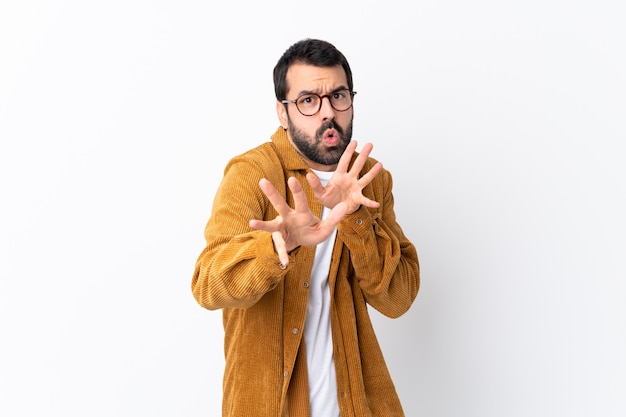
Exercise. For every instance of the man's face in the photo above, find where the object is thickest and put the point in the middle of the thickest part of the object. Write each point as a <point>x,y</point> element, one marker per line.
<point>321,138</point>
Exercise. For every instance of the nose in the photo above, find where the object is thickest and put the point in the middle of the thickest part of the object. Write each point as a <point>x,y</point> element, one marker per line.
<point>327,112</point>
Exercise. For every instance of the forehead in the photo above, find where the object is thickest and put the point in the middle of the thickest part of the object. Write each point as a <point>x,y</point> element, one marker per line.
<point>303,77</point>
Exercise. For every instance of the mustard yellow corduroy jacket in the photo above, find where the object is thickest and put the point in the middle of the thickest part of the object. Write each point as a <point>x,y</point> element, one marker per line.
<point>264,305</point>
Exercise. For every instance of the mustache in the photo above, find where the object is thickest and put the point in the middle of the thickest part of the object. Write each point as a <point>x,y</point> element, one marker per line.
<point>329,124</point>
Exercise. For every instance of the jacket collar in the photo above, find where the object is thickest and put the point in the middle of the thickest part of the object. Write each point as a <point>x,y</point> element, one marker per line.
<point>291,158</point>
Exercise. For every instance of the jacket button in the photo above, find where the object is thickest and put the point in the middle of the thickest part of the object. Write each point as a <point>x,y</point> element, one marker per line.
<point>305,284</point>
<point>295,330</point>
<point>359,221</point>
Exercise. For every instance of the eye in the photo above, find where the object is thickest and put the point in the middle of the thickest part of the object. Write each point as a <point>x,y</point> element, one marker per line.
<point>340,95</point>
<point>308,100</point>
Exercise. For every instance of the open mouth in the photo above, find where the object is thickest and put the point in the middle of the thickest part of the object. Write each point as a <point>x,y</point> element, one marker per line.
<point>330,137</point>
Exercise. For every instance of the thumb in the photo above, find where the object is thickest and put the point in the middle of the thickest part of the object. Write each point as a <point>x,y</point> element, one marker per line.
<point>337,214</point>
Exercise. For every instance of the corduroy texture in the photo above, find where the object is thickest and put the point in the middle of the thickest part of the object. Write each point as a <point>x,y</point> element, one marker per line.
<point>264,306</point>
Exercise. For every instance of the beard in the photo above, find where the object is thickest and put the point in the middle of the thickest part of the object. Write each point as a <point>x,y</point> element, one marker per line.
<point>313,149</point>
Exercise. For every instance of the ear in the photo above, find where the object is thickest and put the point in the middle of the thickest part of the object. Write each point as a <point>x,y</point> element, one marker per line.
<point>281,111</point>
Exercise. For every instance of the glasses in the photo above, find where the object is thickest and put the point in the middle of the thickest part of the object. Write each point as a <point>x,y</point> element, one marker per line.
<point>309,104</point>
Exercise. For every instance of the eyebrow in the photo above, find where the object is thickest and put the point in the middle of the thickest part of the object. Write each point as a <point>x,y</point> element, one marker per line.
<point>303,92</point>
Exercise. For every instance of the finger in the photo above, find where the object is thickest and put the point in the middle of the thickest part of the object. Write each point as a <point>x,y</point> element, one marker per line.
<point>266,225</point>
<point>367,202</point>
<point>369,175</point>
<point>280,247</point>
<point>315,183</point>
<point>277,201</point>
<point>346,157</point>
<point>359,163</point>
<point>299,197</point>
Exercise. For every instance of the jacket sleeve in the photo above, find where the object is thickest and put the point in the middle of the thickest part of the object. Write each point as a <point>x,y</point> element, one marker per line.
<point>239,264</point>
<point>384,261</point>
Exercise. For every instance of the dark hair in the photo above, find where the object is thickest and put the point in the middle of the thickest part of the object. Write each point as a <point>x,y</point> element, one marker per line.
<point>310,52</point>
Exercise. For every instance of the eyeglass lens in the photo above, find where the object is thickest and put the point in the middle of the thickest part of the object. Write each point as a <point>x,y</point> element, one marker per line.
<point>309,104</point>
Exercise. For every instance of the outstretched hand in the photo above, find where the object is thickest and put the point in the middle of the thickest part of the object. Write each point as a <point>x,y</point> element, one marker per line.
<point>346,186</point>
<point>298,226</point>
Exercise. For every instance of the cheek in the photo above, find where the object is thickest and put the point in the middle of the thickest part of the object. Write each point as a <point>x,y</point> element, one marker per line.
<point>345,122</point>
<point>307,126</point>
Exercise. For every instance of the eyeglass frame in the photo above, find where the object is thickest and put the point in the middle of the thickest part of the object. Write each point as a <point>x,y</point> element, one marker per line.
<point>295,101</point>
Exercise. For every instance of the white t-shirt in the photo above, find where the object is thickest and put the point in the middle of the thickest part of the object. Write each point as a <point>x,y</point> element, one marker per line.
<point>317,332</point>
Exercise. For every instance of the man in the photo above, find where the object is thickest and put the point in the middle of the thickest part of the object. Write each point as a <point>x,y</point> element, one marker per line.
<point>301,236</point>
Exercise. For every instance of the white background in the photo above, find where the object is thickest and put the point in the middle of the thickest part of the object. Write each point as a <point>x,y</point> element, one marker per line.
<point>502,122</point>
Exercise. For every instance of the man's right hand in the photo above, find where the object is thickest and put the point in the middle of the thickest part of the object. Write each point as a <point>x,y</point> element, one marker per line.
<point>298,226</point>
